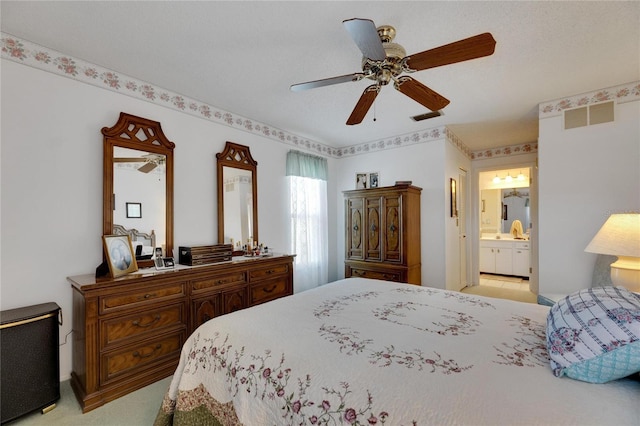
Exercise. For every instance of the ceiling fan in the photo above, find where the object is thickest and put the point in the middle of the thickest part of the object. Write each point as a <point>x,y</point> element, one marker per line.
<point>151,161</point>
<point>384,61</point>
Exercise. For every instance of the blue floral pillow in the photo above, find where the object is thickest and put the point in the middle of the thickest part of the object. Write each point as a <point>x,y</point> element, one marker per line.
<point>593,335</point>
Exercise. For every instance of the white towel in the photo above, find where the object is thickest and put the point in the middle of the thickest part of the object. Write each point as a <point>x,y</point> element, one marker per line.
<point>516,229</point>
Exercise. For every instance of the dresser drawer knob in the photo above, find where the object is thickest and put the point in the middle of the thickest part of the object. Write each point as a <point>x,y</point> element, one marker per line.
<point>149,324</point>
<point>139,355</point>
<point>147,296</point>
<point>269,290</point>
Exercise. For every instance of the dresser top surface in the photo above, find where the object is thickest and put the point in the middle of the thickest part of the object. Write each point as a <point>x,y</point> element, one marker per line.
<point>88,281</point>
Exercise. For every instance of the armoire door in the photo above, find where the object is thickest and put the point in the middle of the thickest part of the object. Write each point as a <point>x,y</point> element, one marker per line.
<point>354,237</point>
<point>392,231</point>
<point>373,239</point>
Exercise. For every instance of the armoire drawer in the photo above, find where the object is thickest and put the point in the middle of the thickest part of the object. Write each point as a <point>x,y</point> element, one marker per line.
<point>136,298</point>
<point>135,358</point>
<point>377,275</point>
<point>120,329</point>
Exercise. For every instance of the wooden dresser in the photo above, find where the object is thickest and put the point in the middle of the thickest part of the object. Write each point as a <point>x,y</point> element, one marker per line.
<point>129,331</point>
<point>383,233</point>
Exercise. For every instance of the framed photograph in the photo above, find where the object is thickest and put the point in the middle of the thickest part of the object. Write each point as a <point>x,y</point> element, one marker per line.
<point>134,210</point>
<point>454,204</point>
<point>373,180</point>
<point>164,263</point>
<point>119,253</point>
<point>361,180</point>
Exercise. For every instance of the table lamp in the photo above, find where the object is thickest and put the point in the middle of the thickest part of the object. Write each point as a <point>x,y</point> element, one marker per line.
<point>620,236</point>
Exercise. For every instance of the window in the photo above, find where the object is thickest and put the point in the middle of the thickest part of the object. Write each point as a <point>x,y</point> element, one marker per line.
<point>308,214</point>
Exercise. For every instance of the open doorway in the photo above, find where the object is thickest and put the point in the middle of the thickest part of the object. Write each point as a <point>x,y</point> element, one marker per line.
<point>507,212</point>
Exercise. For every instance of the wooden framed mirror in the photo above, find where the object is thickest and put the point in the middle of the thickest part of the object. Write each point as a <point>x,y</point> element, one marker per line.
<point>237,196</point>
<point>138,169</point>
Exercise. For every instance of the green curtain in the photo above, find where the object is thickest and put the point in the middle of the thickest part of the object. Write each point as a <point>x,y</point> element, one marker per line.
<point>306,165</point>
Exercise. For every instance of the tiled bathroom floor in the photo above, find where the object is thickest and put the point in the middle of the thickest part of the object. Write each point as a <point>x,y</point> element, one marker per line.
<point>500,281</point>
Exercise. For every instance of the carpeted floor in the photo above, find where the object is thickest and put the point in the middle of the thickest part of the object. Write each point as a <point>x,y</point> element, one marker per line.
<point>503,287</point>
<point>137,408</point>
<point>502,293</point>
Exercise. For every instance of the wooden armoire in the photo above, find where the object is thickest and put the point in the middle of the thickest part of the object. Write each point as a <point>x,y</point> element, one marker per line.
<point>383,233</point>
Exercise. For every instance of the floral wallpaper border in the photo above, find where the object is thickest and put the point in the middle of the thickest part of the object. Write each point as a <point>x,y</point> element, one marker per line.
<point>31,54</point>
<point>34,55</point>
<point>627,92</point>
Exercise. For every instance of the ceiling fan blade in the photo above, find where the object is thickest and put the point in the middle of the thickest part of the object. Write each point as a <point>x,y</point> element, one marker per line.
<point>129,160</point>
<point>363,105</point>
<point>365,35</point>
<point>147,167</point>
<point>421,93</point>
<point>327,82</point>
<point>459,51</point>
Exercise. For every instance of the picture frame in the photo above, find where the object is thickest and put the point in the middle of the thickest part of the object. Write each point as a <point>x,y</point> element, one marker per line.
<point>134,210</point>
<point>164,263</point>
<point>361,181</point>
<point>453,194</point>
<point>119,255</point>
<point>373,180</point>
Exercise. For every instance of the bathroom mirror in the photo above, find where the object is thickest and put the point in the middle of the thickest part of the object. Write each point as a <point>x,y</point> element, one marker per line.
<point>138,169</point>
<point>237,196</point>
<point>515,202</point>
<point>495,203</point>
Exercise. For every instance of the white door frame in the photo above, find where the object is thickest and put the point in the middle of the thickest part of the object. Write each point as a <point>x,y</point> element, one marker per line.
<point>463,224</point>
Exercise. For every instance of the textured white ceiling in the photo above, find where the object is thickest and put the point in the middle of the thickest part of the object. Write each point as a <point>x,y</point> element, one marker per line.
<point>242,57</point>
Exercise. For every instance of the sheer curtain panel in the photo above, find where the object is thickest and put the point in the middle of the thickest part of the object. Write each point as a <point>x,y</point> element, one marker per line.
<point>307,182</point>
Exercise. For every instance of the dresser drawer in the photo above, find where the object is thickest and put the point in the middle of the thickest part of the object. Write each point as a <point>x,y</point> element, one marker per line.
<point>377,275</point>
<point>198,286</point>
<point>134,359</point>
<point>116,330</point>
<point>269,290</point>
<point>137,298</point>
<point>265,273</point>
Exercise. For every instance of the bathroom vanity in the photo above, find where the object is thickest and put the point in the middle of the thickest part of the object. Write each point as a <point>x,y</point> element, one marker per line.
<point>505,256</point>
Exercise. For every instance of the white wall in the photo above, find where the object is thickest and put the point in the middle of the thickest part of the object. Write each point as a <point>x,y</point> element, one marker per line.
<point>454,161</point>
<point>51,174</point>
<point>585,174</point>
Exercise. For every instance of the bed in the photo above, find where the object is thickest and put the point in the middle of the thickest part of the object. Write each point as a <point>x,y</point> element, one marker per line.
<point>368,352</point>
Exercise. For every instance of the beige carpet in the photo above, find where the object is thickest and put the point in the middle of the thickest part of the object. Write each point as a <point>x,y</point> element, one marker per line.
<point>502,293</point>
<point>138,408</point>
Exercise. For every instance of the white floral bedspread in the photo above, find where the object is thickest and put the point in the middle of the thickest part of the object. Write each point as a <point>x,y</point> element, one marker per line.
<point>369,352</point>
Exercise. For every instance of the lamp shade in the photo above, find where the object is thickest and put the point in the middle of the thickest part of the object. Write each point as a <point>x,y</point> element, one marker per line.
<point>619,236</point>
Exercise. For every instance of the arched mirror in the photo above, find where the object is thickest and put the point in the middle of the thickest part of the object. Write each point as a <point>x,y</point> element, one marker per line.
<point>237,196</point>
<point>138,185</point>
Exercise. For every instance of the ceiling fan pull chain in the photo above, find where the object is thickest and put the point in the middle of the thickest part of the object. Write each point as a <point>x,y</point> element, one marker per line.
<point>374,110</point>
